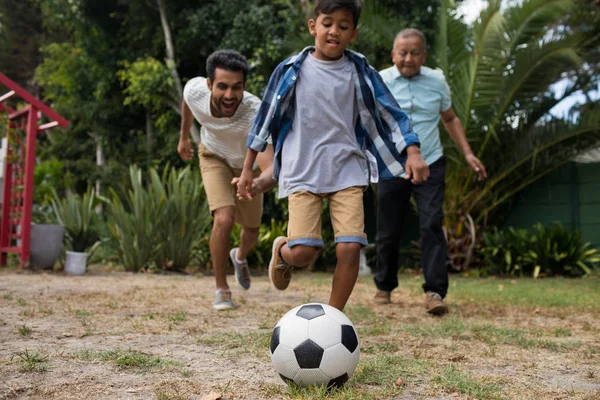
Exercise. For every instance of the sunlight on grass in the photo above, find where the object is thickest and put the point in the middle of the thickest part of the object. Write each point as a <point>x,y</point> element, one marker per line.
<point>455,328</point>
<point>532,293</point>
<point>454,380</point>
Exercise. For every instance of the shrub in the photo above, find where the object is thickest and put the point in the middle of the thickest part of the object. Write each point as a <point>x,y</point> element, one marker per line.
<point>81,222</point>
<point>551,250</point>
<point>135,222</point>
<point>158,223</point>
<point>187,218</point>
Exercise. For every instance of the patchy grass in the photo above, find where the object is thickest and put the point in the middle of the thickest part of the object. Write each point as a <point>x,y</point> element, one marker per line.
<point>453,380</point>
<point>32,360</point>
<point>24,330</point>
<point>507,339</point>
<point>579,294</point>
<point>254,344</point>
<point>128,359</point>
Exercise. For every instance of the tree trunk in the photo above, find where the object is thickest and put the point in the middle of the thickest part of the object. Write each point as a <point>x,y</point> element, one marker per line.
<point>170,61</point>
<point>100,163</point>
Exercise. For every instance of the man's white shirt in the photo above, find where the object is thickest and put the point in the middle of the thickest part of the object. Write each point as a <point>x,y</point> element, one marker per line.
<point>226,137</point>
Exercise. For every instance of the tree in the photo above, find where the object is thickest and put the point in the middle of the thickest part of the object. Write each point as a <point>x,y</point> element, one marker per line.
<point>20,36</point>
<point>501,73</point>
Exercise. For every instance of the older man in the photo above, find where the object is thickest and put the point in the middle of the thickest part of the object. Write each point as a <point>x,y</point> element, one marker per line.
<point>424,96</point>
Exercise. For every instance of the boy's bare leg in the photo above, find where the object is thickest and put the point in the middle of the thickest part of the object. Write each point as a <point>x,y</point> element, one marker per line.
<point>247,240</point>
<point>223,219</point>
<point>345,275</point>
<point>299,255</point>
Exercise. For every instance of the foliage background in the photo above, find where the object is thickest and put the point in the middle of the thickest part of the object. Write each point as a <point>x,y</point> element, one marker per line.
<point>115,70</point>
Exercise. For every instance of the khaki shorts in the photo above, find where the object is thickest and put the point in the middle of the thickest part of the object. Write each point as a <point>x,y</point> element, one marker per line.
<point>217,176</point>
<point>346,211</point>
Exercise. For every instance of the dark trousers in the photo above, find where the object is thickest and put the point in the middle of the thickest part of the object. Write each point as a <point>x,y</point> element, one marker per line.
<point>393,205</point>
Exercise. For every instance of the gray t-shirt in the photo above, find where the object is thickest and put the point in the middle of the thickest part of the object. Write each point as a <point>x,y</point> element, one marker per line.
<point>320,153</point>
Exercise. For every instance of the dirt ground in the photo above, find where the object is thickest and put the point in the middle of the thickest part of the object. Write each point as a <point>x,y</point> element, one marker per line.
<point>76,322</point>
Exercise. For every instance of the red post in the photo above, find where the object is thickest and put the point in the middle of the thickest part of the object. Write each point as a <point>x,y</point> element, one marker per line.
<point>19,168</point>
<point>28,184</point>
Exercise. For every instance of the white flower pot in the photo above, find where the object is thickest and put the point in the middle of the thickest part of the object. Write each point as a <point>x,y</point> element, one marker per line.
<point>75,263</point>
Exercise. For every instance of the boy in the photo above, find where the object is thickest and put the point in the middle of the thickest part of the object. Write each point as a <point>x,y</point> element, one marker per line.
<point>325,107</point>
<point>226,112</point>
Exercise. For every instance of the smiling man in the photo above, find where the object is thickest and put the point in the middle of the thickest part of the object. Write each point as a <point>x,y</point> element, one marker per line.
<point>226,112</point>
<point>424,96</point>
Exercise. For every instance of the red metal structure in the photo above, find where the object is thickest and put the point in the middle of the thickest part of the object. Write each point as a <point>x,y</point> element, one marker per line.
<point>17,196</point>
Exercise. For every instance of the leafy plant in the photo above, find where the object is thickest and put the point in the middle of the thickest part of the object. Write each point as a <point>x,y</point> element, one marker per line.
<point>502,73</point>
<point>136,220</point>
<point>547,250</point>
<point>187,218</point>
<point>78,216</point>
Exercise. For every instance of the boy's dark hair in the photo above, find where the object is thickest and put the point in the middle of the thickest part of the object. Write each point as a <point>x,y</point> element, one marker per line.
<point>329,6</point>
<point>229,60</point>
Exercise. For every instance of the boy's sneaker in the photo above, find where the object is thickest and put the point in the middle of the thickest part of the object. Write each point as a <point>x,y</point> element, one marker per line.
<point>382,297</point>
<point>434,304</point>
<point>242,273</point>
<point>280,272</point>
<point>223,300</point>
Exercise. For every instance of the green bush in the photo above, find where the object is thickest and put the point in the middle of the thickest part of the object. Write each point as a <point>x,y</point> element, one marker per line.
<point>187,218</point>
<point>545,250</point>
<point>158,223</point>
<point>81,222</point>
<point>135,222</point>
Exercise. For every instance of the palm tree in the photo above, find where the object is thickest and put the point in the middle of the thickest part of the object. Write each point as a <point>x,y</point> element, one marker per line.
<point>501,73</point>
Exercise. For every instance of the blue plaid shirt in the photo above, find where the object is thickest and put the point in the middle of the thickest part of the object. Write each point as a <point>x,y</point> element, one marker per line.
<point>382,128</point>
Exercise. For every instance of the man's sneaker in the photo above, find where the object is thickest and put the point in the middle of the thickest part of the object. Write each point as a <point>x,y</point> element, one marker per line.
<point>434,304</point>
<point>223,300</point>
<point>382,297</point>
<point>280,272</point>
<point>242,273</point>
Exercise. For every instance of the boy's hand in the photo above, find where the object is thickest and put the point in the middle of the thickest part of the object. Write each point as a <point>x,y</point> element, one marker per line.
<point>244,185</point>
<point>256,188</point>
<point>185,149</point>
<point>416,169</point>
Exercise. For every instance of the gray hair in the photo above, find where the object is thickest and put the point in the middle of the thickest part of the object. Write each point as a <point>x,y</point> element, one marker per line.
<point>411,32</point>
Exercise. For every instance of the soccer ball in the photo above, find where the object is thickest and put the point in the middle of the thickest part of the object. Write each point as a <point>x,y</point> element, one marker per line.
<point>315,344</point>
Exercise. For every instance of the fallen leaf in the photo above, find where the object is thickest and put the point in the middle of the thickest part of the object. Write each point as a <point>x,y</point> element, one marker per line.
<point>500,288</point>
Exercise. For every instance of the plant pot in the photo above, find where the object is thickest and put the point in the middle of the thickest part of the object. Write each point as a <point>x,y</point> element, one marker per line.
<point>46,245</point>
<point>75,263</point>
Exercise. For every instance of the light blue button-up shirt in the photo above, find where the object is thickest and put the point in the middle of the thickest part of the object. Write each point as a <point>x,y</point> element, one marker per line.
<point>422,97</point>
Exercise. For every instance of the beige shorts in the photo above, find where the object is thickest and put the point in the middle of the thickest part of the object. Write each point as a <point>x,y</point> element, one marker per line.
<point>217,176</point>
<point>346,211</point>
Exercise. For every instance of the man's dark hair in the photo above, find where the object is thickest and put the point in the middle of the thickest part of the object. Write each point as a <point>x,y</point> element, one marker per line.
<point>329,6</point>
<point>229,60</point>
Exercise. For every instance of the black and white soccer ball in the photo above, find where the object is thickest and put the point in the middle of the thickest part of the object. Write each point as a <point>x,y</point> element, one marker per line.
<point>315,344</point>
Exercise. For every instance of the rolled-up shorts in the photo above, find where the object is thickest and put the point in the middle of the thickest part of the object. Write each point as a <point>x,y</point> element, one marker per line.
<point>217,176</point>
<point>346,211</point>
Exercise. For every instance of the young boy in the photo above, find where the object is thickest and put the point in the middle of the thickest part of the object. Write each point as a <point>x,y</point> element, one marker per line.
<point>326,108</point>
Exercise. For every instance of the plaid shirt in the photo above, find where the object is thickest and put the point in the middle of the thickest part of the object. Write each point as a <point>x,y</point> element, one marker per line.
<point>382,128</point>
